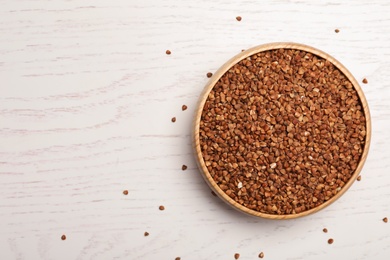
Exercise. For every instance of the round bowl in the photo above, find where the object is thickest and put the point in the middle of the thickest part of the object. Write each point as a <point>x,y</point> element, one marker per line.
<point>205,95</point>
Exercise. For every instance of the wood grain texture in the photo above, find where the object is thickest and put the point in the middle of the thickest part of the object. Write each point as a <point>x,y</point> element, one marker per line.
<point>86,98</point>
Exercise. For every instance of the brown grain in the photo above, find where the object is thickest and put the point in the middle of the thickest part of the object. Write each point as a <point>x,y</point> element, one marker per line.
<point>168,52</point>
<point>239,18</point>
<point>236,256</point>
<point>282,131</point>
<point>63,237</point>
<point>330,241</point>
<point>173,119</point>
<point>146,234</point>
<point>125,192</point>
<point>183,107</point>
<point>365,81</point>
<point>161,208</point>
<point>336,30</point>
<point>325,230</point>
<point>177,258</point>
<point>184,167</point>
<point>261,255</point>
<point>384,220</point>
<point>209,74</point>
<point>359,178</point>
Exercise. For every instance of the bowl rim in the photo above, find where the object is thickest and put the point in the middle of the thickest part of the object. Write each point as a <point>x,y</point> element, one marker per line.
<point>210,85</point>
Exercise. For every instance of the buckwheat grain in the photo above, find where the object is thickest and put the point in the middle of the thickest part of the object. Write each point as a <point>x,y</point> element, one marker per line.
<point>282,131</point>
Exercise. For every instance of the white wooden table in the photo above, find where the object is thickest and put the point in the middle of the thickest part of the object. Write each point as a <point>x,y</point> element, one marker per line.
<point>87,94</point>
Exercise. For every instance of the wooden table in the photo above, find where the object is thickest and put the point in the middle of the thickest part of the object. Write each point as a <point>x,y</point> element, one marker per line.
<point>87,95</point>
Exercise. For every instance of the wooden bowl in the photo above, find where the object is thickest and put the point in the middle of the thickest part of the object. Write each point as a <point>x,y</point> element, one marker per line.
<point>214,79</point>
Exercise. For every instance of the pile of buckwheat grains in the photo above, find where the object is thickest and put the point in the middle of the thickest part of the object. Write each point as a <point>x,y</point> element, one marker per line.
<point>282,131</point>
